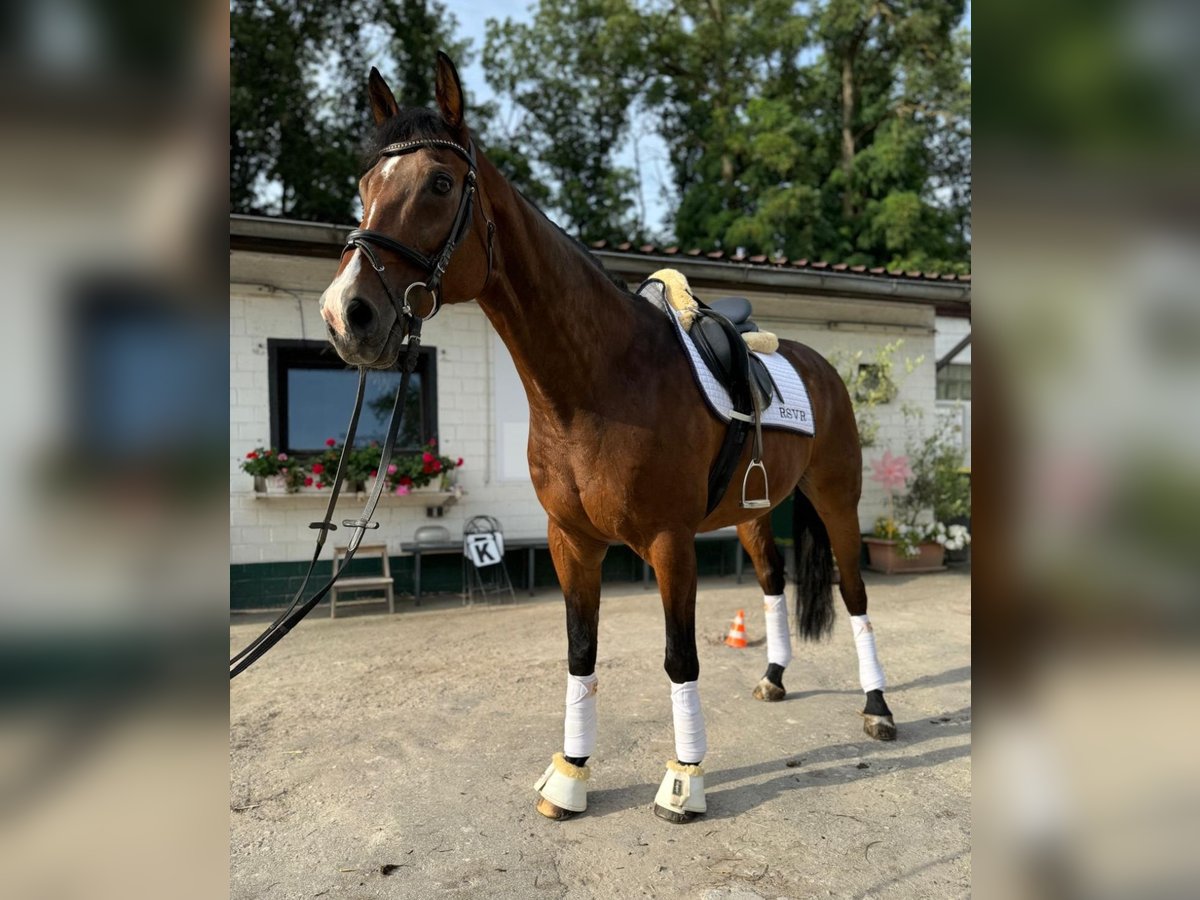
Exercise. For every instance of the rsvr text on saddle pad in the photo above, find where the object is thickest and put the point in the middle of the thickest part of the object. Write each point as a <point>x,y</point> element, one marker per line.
<point>789,410</point>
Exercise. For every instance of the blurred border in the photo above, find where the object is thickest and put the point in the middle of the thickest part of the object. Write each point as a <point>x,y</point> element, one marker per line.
<point>114,606</point>
<point>1087,277</point>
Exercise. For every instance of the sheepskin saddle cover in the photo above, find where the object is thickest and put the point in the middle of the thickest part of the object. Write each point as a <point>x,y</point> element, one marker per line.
<point>789,407</point>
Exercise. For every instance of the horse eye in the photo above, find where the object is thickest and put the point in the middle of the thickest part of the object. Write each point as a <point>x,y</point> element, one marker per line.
<point>442,184</point>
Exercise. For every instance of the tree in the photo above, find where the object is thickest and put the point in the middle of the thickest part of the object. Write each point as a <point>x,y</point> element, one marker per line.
<point>837,130</point>
<point>298,104</point>
<point>571,76</point>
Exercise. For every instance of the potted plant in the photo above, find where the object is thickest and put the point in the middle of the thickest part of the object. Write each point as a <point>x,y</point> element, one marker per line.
<point>269,469</point>
<point>414,471</point>
<point>905,540</point>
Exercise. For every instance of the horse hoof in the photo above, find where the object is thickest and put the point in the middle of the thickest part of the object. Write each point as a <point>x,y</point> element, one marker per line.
<point>771,693</point>
<point>675,818</point>
<point>550,811</point>
<point>881,728</point>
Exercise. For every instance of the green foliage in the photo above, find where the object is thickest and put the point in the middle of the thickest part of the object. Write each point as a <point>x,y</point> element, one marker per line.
<point>939,485</point>
<point>568,74</point>
<point>298,104</point>
<point>834,130</point>
<point>871,384</point>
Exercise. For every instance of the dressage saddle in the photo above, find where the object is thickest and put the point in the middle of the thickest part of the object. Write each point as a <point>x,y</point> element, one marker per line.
<point>717,333</point>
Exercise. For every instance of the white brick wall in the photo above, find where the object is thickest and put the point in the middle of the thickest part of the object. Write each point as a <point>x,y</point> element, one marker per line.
<point>276,530</point>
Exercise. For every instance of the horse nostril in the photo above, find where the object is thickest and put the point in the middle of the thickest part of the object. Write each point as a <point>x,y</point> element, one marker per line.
<point>359,314</point>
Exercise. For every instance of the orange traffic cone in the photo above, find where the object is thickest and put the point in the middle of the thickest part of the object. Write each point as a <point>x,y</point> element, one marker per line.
<point>737,631</point>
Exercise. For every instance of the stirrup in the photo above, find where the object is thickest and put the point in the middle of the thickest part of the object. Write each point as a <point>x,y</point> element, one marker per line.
<point>766,500</point>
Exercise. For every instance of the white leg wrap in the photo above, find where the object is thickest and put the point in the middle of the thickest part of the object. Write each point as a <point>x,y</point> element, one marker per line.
<point>870,673</point>
<point>682,789</point>
<point>691,742</point>
<point>779,639</point>
<point>579,727</point>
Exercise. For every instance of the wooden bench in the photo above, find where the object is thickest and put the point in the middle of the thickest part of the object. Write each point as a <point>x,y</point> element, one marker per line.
<point>364,582</point>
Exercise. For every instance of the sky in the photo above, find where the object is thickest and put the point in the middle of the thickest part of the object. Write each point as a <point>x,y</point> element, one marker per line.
<point>649,156</point>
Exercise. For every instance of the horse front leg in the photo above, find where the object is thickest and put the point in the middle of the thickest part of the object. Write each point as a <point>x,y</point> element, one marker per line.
<point>562,789</point>
<point>680,797</point>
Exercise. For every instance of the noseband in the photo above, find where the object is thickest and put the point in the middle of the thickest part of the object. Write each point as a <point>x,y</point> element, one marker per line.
<point>369,241</point>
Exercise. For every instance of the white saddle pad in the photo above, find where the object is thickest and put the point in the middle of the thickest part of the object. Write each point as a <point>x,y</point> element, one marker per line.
<point>789,409</point>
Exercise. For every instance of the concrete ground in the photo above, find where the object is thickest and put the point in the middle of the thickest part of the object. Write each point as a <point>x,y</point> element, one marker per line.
<point>394,756</point>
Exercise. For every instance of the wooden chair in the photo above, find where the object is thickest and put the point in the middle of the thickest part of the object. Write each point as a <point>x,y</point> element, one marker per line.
<point>364,582</point>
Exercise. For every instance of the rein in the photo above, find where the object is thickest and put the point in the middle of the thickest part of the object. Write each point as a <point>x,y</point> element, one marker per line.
<point>363,239</point>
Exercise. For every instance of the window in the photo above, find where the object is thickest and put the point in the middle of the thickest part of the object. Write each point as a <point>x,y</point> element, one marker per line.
<point>312,394</point>
<point>954,382</point>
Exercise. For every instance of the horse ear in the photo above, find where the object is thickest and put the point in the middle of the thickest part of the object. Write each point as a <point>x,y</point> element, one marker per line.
<point>383,103</point>
<point>449,92</point>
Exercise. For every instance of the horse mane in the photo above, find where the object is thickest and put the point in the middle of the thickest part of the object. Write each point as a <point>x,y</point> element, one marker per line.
<point>417,122</point>
<point>583,248</point>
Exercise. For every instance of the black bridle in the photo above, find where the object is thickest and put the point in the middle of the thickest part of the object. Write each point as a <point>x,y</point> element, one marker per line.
<point>369,242</point>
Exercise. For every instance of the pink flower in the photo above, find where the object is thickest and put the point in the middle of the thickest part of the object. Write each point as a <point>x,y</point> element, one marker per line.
<point>391,468</point>
<point>330,442</point>
<point>402,490</point>
<point>283,457</point>
<point>891,471</point>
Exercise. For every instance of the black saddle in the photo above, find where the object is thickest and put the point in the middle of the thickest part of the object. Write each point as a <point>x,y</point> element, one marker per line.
<point>737,310</point>
<point>716,331</point>
<point>718,339</point>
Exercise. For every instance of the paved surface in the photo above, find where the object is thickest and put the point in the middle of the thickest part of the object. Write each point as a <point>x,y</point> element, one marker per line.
<point>378,756</point>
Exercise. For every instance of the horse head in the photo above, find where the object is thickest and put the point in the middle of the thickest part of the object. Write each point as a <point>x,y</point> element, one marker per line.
<point>423,240</point>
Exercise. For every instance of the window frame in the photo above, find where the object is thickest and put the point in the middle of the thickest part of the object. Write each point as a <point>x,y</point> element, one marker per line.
<point>283,353</point>
<point>951,376</point>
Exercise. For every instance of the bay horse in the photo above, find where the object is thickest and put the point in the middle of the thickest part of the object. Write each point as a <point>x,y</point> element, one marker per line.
<point>620,442</point>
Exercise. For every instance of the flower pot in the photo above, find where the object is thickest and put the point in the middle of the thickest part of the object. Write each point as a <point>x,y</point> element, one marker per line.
<point>260,484</point>
<point>885,556</point>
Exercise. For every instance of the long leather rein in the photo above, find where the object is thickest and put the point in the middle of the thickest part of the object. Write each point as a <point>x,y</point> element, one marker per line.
<point>370,242</point>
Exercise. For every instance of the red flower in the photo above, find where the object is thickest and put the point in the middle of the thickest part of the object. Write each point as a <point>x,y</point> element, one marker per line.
<point>459,463</point>
<point>320,484</point>
<point>330,442</point>
<point>433,442</point>
<point>252,455</point>
<point>427,457</point>
<point>318,468</point>
<point>427,468</point>
<point>436,466</point>
<point>405,480</point>
<point>374,473</point>
<point>308,482</point>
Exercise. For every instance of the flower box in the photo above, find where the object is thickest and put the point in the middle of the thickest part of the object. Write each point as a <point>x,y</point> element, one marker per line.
<point>886,556</point>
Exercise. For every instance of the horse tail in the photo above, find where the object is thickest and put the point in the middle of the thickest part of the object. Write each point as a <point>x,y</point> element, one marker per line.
<point>814,570</point>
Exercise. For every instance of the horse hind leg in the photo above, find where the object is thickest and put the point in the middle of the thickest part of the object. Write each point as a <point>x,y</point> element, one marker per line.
<point>759,542</point>
<point>840,519</point>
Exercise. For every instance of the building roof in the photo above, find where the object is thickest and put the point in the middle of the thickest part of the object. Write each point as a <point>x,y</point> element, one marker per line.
<point>777,261</point>
<point>951,294</point>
